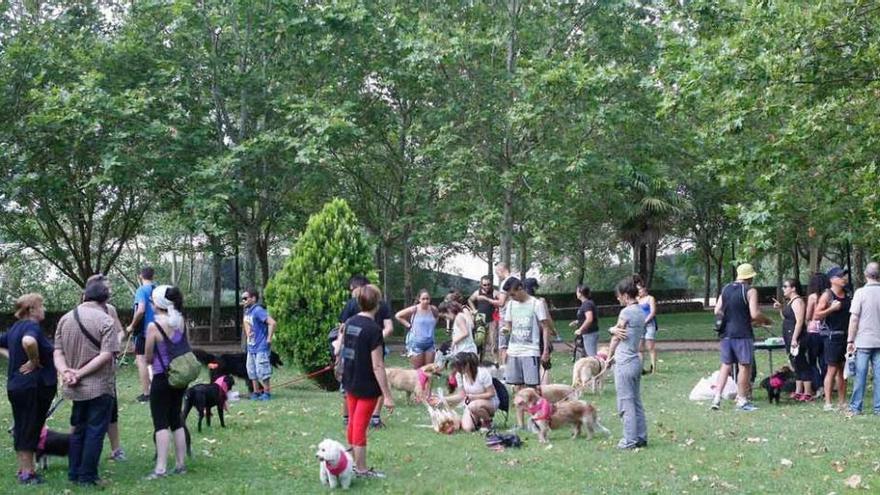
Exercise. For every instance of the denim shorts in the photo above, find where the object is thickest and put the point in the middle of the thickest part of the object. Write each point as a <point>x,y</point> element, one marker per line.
<point>651,331</point>
<point>421,346</point>
<point>737,351</point>
<point>258,366</point>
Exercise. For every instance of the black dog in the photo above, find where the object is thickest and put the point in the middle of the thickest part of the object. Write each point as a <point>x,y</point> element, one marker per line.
<point>205,396</point>
<point>57,444</point>
<point>781,381</point>
<point>234,364</point>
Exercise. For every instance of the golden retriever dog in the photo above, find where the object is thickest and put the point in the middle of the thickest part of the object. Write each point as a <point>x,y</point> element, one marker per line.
<point>590,371</point>
<point>547,416</point>
<point>556,392</point>
<point>414,382</point>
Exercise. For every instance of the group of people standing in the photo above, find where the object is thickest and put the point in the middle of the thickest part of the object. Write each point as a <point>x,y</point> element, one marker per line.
<point>84,356</point>
<point>822,330</point>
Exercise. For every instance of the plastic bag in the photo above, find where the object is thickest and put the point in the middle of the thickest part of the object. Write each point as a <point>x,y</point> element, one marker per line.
<point>849,369</point>
<point>705,388</point>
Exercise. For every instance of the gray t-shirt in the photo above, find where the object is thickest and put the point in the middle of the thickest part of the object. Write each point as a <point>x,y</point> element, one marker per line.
<point>866,305</point>
<point>628,349</point>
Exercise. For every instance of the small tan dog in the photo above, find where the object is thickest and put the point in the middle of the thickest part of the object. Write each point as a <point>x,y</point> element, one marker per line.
<point>444,419</point>
<point>590,371</point>
<point>547,416</point>
<point>414,382</point>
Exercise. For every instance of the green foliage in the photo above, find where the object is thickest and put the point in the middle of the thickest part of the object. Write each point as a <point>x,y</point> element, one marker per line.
<point>306,296</point>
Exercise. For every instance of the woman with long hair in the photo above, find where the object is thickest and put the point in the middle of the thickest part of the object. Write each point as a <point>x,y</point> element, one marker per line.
<point>793,313</point>
<point>815,345</point>
<point>420,320</point>
<point>587,323</point>
<point>648,305</point>
<point>462,319</point>
<point>166,401</point>
<point>475,390</point>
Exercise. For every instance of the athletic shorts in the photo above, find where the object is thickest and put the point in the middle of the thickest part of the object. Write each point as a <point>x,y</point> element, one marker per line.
<point>835,350</point>
<point>523,371</point>
<point>114,412</point>
<point>651,331</point>
<point>140,344</point>
<point>737,351</point>
<point>258,366</point>
<point>29,408</point>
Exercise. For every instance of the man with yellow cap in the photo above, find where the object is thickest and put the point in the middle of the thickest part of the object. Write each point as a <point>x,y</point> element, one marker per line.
<point>736,310</point>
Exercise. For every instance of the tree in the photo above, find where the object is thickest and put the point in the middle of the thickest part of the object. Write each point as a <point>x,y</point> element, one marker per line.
<point>306,295</point>
<point>81,151</point>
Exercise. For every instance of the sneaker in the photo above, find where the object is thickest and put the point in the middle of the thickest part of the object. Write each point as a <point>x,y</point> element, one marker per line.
<point>345,421</point>
<point>118,455</point>
<point>143,398</point>
<point>369,473</point>
<point>154,476</point>
<point>851,413</point>
<point>829,408</point>
<point>256,396</point>
<point>641,444</point>
<point>30,479</point>
<point>716,404</point>
<point>265,396</point>
<point>179,470</point>
<point>623,445</point>
<point>747,407</point>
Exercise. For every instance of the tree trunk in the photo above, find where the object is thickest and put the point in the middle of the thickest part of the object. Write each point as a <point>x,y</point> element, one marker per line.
<point>643,260</point>
<point>707,280</point>
<point>635,260</point>
<point>262,248</point>
<point>250,259</point>
<point>581,266</point>
<point>384,269</point>
<point>780,273</point>
<point>407,273</point>
<point>217,287</point>
<point>858,275</point>
<point>490,261</point>
<point>651,265</point>
<point>523,257</point>
<point>814,256</point>
<point>719,276</point>
<point>507,232</point>
<point>796,260</point>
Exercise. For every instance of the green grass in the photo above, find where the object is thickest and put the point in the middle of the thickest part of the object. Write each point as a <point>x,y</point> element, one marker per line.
<point>269,447</point>
<point>675,326</point>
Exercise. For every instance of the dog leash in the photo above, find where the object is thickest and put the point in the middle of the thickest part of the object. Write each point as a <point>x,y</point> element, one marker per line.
<point>121,359</point>
<point>305,377</point>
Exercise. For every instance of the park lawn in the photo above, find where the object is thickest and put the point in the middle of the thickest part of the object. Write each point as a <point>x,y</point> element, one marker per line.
<point>269,447</point>
<point>673,327</point>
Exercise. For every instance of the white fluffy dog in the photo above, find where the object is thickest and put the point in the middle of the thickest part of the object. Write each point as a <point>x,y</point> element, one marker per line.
<point>337,465</point>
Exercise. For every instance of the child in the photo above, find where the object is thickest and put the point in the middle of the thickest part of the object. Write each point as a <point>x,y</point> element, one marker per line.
<point>624,350</point>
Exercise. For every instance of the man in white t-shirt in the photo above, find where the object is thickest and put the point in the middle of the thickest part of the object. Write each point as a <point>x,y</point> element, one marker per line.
<point>502,271</point>
<point>527,324</point>
<point>864,338</point>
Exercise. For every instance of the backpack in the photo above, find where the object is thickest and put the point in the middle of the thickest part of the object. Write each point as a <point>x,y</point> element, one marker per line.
<point>480,329</point>
<point>184,368</point>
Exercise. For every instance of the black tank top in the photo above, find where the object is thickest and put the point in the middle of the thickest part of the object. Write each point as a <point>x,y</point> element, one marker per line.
<point>788,320</point>
<point>737,317</point>
<point>838,321</point>
<point>484,307</point>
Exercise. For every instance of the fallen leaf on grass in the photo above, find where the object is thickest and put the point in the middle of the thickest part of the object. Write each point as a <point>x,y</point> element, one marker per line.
<point>854,482</point>
<point>209,440</point>
<point>695,478</point>
<point>756,440</point>
<point>838,466</point>
<point>786,462</point>
<point>548,447</point>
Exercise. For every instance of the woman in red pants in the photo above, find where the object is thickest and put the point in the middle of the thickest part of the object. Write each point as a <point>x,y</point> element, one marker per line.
<point>363,376</point>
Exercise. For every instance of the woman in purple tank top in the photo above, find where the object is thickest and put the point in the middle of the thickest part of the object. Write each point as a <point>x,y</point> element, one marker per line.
<point>165,401</point>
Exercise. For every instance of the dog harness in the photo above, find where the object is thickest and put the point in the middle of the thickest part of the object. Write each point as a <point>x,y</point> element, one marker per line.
<point>44,434</point>
<point>423,379</point>
<point>776,381</point>
<point>340,466</point>
<point>542,410</point>
<point>221,383</point>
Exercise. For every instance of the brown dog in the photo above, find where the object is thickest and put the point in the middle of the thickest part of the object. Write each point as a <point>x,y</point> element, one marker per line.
<point>589,372</point>
<point>547,417</point>
<point>556,392</point>
<point>414,382</point>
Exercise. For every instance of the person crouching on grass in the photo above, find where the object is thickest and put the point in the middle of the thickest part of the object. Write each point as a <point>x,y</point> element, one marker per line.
<point>628,334</point>
<point>476,391</point>
<point>259,328</point>
<point>362,348</point>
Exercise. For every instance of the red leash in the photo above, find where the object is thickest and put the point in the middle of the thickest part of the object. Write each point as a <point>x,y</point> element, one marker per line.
<point>306,377</point>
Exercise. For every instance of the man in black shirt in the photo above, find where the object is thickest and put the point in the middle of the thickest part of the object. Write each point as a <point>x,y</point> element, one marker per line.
<point>383,319</point>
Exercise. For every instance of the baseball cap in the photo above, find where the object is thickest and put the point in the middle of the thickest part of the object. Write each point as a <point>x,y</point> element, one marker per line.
<point>837,271</point>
